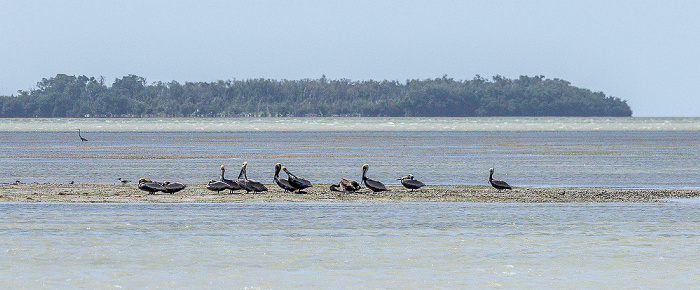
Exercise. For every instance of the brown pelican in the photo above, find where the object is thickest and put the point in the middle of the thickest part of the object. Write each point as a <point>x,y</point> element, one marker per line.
<point>297,182</point>
<point>498,184</point>
<point>231,184</point>
<point>346,185</point>
<point>173,187</point>
<point>249,184</point>
<point>374,185</point>
<point>81,137</point>
<point>411,183</point>
<point>150,186</point>
<point>284,184</point>
<point>217,186</point>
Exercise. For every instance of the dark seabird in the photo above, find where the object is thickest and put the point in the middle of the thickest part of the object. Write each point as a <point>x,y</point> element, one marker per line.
<point>217,186</point>
<point>81,137</point>
<point>374,185</point>
<point>410,182</point>
<point>150,186</point>
<point>173,187</point>
<point>297,182</point>
<point>346,185</point>
<point>249,184</point>
<point>282,183</point>
<point>498,184</point>
<point>232,184</point>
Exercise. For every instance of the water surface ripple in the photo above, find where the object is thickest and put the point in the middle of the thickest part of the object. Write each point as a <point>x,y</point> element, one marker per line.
<point>350,245</point>
<point>48,150</point>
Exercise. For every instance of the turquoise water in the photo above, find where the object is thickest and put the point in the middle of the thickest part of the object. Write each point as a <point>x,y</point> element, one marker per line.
<point>350,245</point>
<point>540,152</point>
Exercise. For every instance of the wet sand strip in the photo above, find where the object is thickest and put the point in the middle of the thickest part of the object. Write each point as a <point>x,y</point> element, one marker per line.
<point>196,193</point>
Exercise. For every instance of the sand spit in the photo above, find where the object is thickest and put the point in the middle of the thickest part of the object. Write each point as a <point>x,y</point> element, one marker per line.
<point>32,192</point>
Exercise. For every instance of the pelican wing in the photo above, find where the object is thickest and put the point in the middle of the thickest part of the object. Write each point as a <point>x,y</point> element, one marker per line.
<point>374,185</point>
<point>256,186</point>
<point>217,186</point>
<point>349,185</point>
<point>500,184</point>
<point>232,184</point>
<point>298,182</point>
<point>174,187</point>
<point>412,183</point>
<point>152,187</point>
<point>284,184</point>
<point>245,184</point>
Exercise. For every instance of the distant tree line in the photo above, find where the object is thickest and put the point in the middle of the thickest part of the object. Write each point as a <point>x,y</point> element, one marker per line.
<point>131,96</point>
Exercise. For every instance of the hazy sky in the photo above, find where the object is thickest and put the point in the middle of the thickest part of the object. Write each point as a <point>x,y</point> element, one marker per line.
<point>645,52</point>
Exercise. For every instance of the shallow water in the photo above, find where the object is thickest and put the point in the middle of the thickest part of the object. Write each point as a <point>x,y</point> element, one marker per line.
<point>354,245</point>
<point>349,124</point>
<point>351,245</point>
<point>541,152</point>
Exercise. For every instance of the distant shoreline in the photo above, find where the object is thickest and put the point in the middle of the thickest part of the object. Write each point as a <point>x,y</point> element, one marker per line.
<point>348,124</point>
<point>131,96</point>
<point>196,193</point>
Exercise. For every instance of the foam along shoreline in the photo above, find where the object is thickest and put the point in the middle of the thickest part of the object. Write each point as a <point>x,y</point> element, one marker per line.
<point>195,193</point>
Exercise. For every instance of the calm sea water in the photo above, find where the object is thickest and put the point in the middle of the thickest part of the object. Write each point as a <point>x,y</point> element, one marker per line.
<point>354,245</point>
<point>540,152</point>
<point>350,245</point>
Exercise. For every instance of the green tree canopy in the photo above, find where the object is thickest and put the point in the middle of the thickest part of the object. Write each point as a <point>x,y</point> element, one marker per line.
<point>132,96</point>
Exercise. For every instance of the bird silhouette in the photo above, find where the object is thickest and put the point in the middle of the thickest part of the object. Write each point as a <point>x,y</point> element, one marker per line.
<point>498,184</point>
<point>410,182</point>
<point>81,137</point>
<point>374,185</point>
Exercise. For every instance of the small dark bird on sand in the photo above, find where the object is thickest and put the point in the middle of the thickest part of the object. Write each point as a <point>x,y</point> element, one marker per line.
<point>498,184</point>
<point>410,182</point>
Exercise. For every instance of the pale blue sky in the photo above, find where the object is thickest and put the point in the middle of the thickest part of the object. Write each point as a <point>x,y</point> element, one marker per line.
<point>646,52</point>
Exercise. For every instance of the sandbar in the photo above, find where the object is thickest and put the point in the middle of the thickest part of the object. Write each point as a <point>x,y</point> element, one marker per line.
<point>197,193</point>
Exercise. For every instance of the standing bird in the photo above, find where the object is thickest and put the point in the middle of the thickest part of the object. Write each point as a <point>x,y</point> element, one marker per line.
<point>249,184</point>
<point>297,182</point>
<point>498,184</point>
<point>411,183</point>
<point>346,185</point>
<point>283,183</point>
<point>173,187</point>
<point>150,186</point>
<point>231,184</point>
<point>81,137</point>
<point>217,186</point>
<point>374,185</point>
